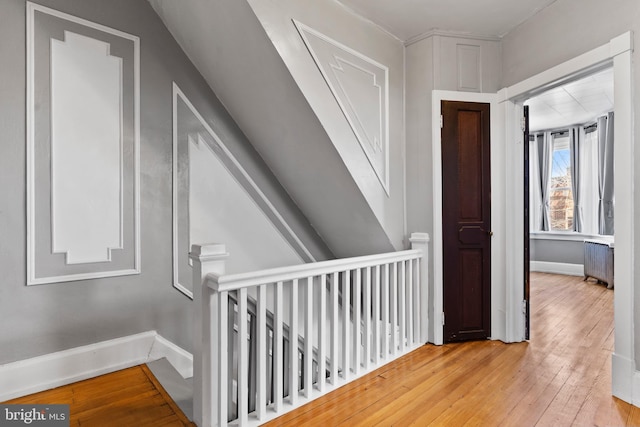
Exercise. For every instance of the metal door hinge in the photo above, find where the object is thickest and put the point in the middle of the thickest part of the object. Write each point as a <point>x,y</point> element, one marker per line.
<point>441,121</point>
<point>443,318</point>
<point>524,307</point>
<point>523,123</point>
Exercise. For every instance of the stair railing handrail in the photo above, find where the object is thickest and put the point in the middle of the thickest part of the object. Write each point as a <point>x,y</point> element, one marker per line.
<point>232,282</point>
<point>212,288</point>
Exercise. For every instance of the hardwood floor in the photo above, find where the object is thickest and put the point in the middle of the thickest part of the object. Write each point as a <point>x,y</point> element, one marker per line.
<point>562,377</point>
<point>131,397</point>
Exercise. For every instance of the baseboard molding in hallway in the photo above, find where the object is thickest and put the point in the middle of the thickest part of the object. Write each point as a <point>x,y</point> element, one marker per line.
<point>45,372</point>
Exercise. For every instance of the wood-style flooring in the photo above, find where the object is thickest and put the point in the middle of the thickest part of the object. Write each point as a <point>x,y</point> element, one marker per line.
<point>561,377</point>
<point>131,397</point>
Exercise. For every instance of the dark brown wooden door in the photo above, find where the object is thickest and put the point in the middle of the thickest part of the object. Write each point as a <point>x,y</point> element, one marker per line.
<point>466,214</point>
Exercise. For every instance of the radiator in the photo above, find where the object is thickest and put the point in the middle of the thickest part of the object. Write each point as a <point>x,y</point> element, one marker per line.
<point>598,260</point>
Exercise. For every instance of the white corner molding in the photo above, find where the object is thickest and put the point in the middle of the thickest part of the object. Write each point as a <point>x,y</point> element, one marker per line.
<point>360,86</point>
<point>82,149</point>
<point>275,220</point>
<point>65,367</point>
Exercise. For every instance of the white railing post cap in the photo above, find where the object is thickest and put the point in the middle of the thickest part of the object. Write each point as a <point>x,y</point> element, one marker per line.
<point>419,238</point>
<point>208,251</point>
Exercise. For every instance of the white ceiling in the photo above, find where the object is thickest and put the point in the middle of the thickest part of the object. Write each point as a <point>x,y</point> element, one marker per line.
<point>577,102</point>
<point>409,19</point>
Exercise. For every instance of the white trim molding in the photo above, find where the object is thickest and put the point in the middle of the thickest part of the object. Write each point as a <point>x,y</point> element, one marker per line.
<point>70,238</point>
<point>262,203</point>
<point>497,280</point>
<point>618,52</point>
<point>360,86</point>
<point>557,268</point>
<point>68,366</point>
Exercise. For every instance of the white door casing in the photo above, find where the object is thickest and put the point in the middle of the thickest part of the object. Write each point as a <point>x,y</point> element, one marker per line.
<point>625,378</point>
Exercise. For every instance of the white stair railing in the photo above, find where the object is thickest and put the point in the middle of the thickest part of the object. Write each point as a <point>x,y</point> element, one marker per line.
<point>342,319</point>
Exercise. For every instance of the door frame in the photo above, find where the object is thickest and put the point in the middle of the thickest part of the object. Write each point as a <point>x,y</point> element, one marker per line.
<point>625,378</point>
<point>498,162</point>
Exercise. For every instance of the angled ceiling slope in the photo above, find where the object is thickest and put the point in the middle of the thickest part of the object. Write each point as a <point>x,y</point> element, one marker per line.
<point>230,48</point>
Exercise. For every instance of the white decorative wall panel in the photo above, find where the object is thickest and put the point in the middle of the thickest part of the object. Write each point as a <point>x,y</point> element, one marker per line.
<point>469,68</point>
<point>86,155</point>
<point>360,86</point>
<point>83,137</point>
<point>215,200</point>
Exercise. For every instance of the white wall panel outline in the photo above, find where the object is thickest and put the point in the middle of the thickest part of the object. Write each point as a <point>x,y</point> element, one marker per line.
<point>196,143</point>
<point>87,168</point>
<point>86,149</point>
<point>469,67</point>
<point>360,86</point>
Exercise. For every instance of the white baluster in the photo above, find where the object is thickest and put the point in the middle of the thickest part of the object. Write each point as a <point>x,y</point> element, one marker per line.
<point>402,313</point>
<point>261,383</point>
<point>346,325</point>
<point>410,302</point>
<point>335,328</point>
<point>376,315</point>
<point>223,353</point>
<point>357,321</point>
<point>385,311</point>
<point>366,294</point>
<point>243,357</point>
<point>278,349</point>
<point>394,308</point>
<point>322,331</point>
<point>308,338</point>
<point>416,300</point>
<point>293,345</point>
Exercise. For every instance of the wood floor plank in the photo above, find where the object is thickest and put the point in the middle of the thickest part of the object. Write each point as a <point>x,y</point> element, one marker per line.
<point>131,397</point>
<point>561,377</point>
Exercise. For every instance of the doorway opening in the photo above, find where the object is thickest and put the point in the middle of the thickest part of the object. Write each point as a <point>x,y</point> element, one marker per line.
<point>619,53</point>
<point>570,188</point>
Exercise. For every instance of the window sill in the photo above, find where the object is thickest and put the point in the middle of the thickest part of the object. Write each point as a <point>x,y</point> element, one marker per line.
<point>569,236</point>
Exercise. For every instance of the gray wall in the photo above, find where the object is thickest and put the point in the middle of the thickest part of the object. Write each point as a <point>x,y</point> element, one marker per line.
<point>37,320</point>
<point>562,251</point>
<point>564,30</point>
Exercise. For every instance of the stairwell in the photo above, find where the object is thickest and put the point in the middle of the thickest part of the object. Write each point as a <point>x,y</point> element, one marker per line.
<point>256,78</point>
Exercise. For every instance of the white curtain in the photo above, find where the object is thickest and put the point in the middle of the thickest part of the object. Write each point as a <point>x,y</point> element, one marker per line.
<point>576,138</point>
<point>589,182</point>
<point>544,142</point>
<point>605,173</point>
<point>535,196</point>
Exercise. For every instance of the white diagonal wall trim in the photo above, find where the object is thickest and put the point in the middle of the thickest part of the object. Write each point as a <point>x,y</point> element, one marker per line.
<point>360,86</point>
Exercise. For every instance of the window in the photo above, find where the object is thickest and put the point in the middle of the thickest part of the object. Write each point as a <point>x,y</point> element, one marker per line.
<point>560,193</point>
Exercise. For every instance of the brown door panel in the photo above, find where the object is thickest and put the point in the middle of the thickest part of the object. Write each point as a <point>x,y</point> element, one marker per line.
<point>466,190</point>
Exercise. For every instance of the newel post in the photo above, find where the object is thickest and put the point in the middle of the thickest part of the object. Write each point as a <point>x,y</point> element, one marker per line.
<point>209,258</point>
<point>421,241</point>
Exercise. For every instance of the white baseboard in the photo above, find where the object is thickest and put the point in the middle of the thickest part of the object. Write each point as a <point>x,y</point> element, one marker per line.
<point>68,366</point>
<point>625,380</point>
<point>557,268</point>
<point>180,359</point>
